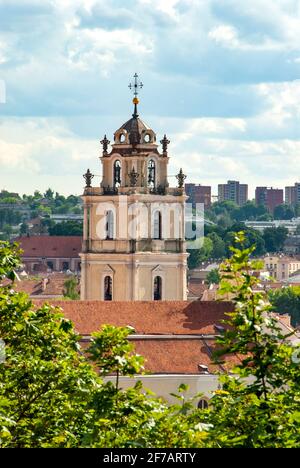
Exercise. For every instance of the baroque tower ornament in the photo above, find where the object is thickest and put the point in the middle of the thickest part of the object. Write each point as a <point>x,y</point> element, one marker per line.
<point>88,176</point>
<point>133,176</point>
<point>105,142</point>
<point>181,178</point>
<point>165,142</point>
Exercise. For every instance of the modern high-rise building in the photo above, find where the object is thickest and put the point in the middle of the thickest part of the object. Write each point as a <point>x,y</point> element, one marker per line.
<point>292,194</point>
<point>198,194</point>
<point>269,197</point>
<point>233,191</point>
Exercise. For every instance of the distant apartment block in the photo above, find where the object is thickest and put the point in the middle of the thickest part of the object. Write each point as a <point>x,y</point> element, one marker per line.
<point>269,197</point>
<point>233,191</point>
<point>198,194</point>
<point>281,267</point>
<point>290,224</point>
<point>292,194</point>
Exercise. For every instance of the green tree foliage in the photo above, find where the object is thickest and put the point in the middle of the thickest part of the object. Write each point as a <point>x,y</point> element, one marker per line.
<point>24,229</point>
<point>227,213</point>
<point>71,288</point>
<point>6,232</point>
<point>219,246</point>
<point>213,277</point>
<point>252,238</point>
<point>197,256</point>
<point>49,194</point>
<point>258,405</point>
<point>9,216</point>
<point>51,396</point>
<point>274,238</point>
<point>287,301</point>
<point>66,228</point>
<point>284,212</point>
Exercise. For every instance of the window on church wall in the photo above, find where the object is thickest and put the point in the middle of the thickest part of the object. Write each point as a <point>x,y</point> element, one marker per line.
<point>151,173</point>
<point>157,225</point>
<point>157,289</point>
<point>109,225</point>
<point>108,288</point>
<point>117,174</point>
<point>202,404</point>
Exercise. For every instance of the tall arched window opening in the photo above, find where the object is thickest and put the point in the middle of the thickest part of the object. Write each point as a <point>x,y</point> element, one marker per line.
<point>157,288</point>
<point>151,173</point>
<point>117,174</point>
<point>109,225</point>
<point>108,288</point>
<point>202,404</point>
<point>157,225</point>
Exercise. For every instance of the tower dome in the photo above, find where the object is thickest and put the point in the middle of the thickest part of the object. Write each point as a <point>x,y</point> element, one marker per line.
<point>134,132</point>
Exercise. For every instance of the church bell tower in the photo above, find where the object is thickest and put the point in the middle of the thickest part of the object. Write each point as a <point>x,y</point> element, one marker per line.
<point>133,236</point>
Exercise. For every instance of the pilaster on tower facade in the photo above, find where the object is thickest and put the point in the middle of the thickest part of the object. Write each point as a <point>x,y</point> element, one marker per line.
<point>133,240</point>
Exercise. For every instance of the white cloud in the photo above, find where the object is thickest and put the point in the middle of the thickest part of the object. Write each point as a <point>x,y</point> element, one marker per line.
<point>224,34</point>
<point>87,47</point>
<point>228,36</point>
<point>196,58</point>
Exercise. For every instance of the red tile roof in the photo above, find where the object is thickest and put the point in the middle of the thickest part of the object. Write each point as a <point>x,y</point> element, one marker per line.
<point>50,246</point>
<point>50,285</point>
<point>174,356</point>
<point>146,317</point>
<point>196,288</point>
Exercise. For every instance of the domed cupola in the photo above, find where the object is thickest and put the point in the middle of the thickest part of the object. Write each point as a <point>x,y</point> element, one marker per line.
<point>134,159</point>
<point>134,131</point>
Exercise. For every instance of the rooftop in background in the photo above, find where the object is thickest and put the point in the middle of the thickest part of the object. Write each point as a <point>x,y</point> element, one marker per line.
<point>146,317</point>
<point>50,246</point>
<point>50,286</point>
<point>173,336</point>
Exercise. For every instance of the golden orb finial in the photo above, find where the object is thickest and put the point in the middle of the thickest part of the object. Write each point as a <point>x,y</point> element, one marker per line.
<point>135,100</point>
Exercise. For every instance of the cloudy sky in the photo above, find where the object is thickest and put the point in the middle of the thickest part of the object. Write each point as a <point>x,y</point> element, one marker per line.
<point>221,78</point>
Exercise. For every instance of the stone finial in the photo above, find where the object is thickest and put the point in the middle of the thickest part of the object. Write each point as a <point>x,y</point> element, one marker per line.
<point>88,176</point>
<point>165,142</point>
<point>105,142</point>
<point>181,178</point>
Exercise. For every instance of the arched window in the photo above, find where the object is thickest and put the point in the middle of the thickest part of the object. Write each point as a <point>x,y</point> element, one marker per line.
<point>151,173</point>
<point>157,226</point>
<point>157,288</point>
<point>109,224</point>
<point>117,174</point>
<point>108,288</point>
<point>202,404</point>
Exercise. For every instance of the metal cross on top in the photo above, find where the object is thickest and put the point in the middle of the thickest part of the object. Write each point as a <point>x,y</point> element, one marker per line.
<point>135,85</point>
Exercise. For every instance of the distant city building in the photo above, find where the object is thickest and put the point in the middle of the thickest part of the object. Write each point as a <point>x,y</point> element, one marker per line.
<point>289,224</point>
<point>233,191</point>
<point>292,194</point>
<point>50,253</point>
<point>198,194</point>
<point>281,267</point>
<point>60,218</point>
<point>292,245</point>
<point>269,197</point>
